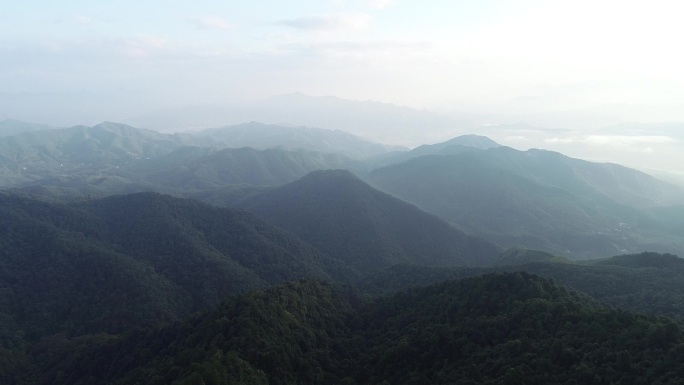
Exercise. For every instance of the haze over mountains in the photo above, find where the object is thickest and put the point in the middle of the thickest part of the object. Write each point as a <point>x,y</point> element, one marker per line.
<point>536,199</point>
<point>637,143</point>
<point>105,236</point>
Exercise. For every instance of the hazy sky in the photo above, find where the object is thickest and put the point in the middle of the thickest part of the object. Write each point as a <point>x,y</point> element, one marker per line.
<point>521,54</point>
<point>566,64</point>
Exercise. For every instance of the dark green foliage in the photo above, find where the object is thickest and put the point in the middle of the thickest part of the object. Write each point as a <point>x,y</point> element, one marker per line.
<point>512,328</point>
<point>286,335</point>
<point>522,256</point>
<point>646,283</point>
<point>134,261</point>
<point>643,260</point>
<point>351,222</point>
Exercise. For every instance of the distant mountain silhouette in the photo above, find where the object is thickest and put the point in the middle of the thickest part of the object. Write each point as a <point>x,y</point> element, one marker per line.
<point>264,136</point>
<point>538,199</point>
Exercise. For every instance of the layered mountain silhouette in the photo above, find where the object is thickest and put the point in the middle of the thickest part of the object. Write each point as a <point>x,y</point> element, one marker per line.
<point>196,168</point>
<point>264,136</point>
<point>538,199</point>
<point>62,153</point>
<point>350,221</point>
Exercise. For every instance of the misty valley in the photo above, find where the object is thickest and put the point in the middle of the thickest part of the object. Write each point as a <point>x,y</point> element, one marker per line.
<point>271,254</point>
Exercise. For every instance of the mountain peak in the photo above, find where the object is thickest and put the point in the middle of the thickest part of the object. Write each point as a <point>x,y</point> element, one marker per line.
<point>471,140</point>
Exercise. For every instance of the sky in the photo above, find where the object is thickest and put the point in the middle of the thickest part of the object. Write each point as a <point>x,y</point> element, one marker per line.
<point>575,65</point>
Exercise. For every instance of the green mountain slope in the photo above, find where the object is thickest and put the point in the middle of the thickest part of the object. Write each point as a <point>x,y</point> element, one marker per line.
<point>196,168</point>
<point>645,283</point>
<point>538,199</point>
<point>350,221</point>
<point>134,261</point>
<point>494,329</point>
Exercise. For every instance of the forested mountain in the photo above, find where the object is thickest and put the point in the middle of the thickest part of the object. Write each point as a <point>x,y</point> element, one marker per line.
<point>507,328</point>
<point>196,168</point>
<point>350,221</point>
<point>522,256</point>
<point>540,200</point>
<point>645,283</point>
<point>264,136</point>
<point>113,158</point>
<point>133,261</point>
<point>88,151</point>
<point>80,279</point>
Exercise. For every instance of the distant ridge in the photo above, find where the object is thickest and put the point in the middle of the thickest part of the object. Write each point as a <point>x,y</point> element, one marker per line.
<point>263,136</point>
<point>539,199</point>
<point>644,260</point>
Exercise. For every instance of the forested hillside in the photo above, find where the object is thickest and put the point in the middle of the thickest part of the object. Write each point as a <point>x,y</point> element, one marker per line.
<point>135,261</point>
<point>511,328</point>
<point>351,222</point>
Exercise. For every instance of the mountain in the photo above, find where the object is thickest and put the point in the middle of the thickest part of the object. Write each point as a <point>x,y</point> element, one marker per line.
<point>459,144</point>
<point>455,145</point>
<point>135,261</point>
<point>540,200</point>
<point>381,122</point>
<point>350,221</point>
<point>10,127</point>
<point>509,328</point>
<point>522,256</point>
<point>264,136</point>
<point>645,260</point>
<point>197,168</point>
<point>65,153</point>
<point>647,283</point>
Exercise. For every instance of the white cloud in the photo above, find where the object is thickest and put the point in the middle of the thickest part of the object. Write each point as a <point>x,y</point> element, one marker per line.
<point>555,140</point>
<point>347,21</point>
<point>623,140</point>
<point>211,22</point>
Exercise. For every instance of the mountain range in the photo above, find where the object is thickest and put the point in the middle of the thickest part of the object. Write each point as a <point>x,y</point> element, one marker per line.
<point>322,258</point>
<point>539,199</point>
<point>265,136</point>
<point>535,199</point>
<point>368,119</point>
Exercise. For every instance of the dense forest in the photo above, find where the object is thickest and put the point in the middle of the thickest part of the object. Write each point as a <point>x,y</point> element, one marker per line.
<point>511,328</point>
